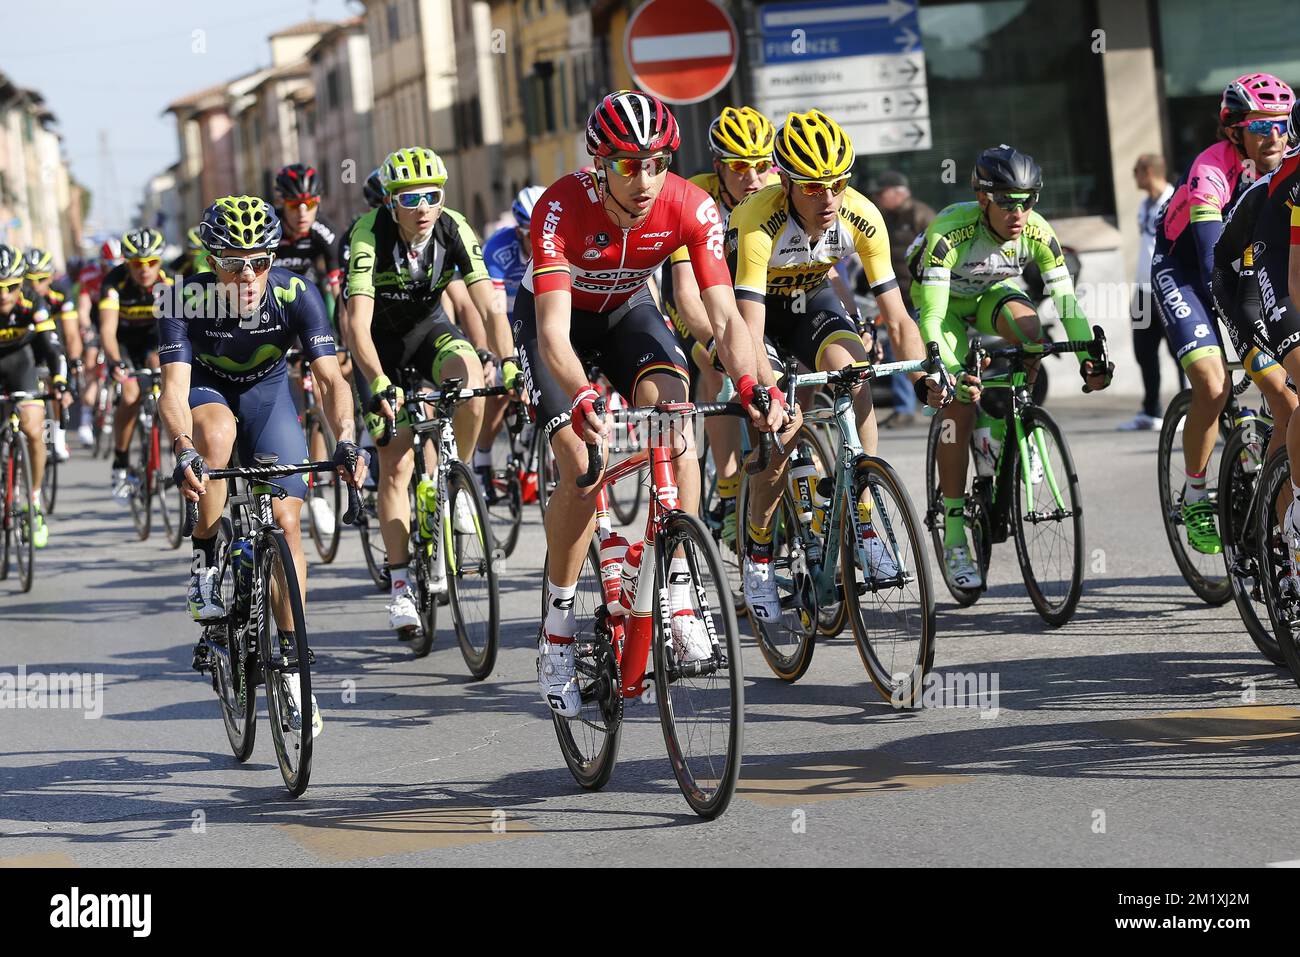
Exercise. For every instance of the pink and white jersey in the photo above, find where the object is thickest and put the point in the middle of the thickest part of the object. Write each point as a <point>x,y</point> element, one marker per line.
<point>1207,191</point>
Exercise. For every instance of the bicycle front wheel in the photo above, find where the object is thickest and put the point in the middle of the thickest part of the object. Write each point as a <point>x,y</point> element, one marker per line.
<point>788,642</point>
<point>50,480</point>
<point>1239,519</point>
<point>506,511</point>
<point>1205,574</point>
<point>233,677</point>
<point>936,515</point>
<point>472,582</point>
<point>887,586</point>
<point>21,514</point>
<point>324,497</point>
<point>1048,519</point>
<point>285,667</point>
<point>699,678</point>
<point>140,497</point>
<point>171,503</point>
<point>589,741</point>
<point>372,543</point>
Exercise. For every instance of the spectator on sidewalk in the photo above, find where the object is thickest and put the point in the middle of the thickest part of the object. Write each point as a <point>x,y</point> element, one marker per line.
<point>1148,334</point>
<point>905,218</point>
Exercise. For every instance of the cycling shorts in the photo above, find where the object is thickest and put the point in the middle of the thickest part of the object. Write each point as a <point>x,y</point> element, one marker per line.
<point>627,344</point>
<point>267,420</point>
<point>18,373</point>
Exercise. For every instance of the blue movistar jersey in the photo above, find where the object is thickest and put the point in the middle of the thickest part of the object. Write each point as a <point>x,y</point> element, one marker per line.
<point>506,263</point>
<point>200,328</point>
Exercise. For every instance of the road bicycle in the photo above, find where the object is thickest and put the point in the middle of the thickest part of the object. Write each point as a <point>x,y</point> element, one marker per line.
<point>848,546</point>
<point>247,647</point>
<point>150,482</point>
<point>324,490</point>
<point>1206,575</point>
<point>17,544</point>
<point>469,557</point>
<point>701,700</point>
<point>1033,492</point>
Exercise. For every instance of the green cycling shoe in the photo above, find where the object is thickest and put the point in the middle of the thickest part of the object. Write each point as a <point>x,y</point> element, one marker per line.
<point>1202,535</point>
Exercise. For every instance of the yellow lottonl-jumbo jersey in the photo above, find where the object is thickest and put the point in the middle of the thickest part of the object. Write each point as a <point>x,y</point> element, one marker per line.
<point>774,256</point>
<point>711,184</point>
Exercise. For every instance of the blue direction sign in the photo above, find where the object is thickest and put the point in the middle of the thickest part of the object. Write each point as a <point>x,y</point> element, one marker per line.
<point>798,32</point>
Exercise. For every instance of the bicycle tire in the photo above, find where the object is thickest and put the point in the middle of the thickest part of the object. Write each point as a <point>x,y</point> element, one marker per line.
<point>599,725</point>
<point>295,768</point>
<point>479,652</point>
<point>674,690</point>
<point>936,515</point>
<point>162,485</point>
<point>329,489</point>
<point>1056,612</point>
<point>898,680</point>
<point>506,514</point>
<point>24,544</point>
<point>372,543</point>
<point>1236,518</point>
<point>548,472</point>
<point>50,478</point>
<point>1207,585</point>
<point>728,550</point>
<point>787,650</point>
<point>8,513</point>
<point>237,689</point>
<point>141,513</point>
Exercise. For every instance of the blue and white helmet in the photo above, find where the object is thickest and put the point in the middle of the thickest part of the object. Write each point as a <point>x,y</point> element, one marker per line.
<point>524,203</point>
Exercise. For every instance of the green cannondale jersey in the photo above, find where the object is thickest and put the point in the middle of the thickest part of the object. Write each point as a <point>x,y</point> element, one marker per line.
<point>959,257</point>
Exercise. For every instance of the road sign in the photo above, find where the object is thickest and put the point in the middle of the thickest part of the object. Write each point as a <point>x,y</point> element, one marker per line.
<point>682,51</point>
<point>860,63</point>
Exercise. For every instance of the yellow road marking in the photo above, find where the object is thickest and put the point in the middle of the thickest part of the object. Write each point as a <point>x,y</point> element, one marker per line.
<point>38,860</point>
<point>834,777</point>
<point>359,836</point>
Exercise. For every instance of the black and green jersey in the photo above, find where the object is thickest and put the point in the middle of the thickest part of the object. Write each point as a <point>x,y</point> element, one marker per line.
<point>958,258</point>
<point>407,284</point>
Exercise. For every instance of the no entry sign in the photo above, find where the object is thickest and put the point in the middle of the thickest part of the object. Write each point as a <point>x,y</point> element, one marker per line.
<point>682,51</point>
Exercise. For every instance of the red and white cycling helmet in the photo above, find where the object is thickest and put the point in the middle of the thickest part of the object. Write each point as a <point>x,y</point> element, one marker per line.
<point>1254,93</point>
<point>627,121</point>
<point>111,249</point>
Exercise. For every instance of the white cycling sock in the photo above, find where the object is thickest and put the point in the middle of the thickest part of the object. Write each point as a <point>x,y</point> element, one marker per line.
<point>560,619</point>
<point>400,583</point>
<point>483,457</point>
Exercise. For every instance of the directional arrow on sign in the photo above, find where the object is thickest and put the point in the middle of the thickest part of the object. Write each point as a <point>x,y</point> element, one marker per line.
<point>909,102</point>
<point>788,15</point>
<point>915,133</point>
<point>907,39</point>
<point>908,70</point>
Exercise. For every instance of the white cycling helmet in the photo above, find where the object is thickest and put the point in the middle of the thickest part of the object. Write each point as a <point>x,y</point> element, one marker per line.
<point>524,203</point>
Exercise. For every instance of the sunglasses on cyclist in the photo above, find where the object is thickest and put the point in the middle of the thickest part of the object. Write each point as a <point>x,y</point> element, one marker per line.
<point>311,202</point>
<point>817,187</point>
<point>413,200</point>
<point>10,285</point>
<point>1012,202</point>
<point>1265,127</point>
<point>146,262</point>
<point>236,264</point>
<point>740,167</point>
<point>631,165</point>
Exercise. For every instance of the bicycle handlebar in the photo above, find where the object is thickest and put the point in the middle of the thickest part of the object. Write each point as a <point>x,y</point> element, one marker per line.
<point>269,472</point>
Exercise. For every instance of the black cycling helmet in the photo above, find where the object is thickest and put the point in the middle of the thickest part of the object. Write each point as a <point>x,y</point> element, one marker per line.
<point>297,181</point>
<point>1003,169</point>
<point>13,265</point>
<point>373,189</point>
<point>144,242</point>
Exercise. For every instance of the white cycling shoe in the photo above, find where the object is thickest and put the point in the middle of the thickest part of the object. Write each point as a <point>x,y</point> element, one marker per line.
<point>880,563</point>
<point>760,590</point>
<point>86,435</point>
<point>690,638</point>
<point>557,677</point>
<point>961,570</point>
<point>205,595</point>
<point>403,616</point>
<point>464,522</point>
<point>293,687</point>
<point>124,486</point>
<point>322,516</point>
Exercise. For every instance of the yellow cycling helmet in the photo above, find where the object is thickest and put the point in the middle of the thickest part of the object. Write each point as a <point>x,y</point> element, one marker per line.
<point>813,146</point>
<point>742,133</point>
<point>411,166</point>
<point>240,222</point>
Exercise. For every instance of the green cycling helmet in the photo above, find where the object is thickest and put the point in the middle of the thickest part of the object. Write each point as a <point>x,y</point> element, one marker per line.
<point>411,166</point>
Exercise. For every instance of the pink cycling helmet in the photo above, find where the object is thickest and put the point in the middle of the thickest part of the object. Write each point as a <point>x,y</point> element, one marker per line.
<point>1254,93</point>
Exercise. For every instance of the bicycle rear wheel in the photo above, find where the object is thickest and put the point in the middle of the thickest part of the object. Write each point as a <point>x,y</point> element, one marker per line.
<point>788,643</point>
<point>717,513</point>
<point>140,497</point>
<point>286,670</point>
<point>50,480</point>
<point>1206,575</point>
<point>372,543</point>
<point>589,741</point>
<point>171,503</point>
<point>327,489</point>
<point>701,701</point>
<point>23,502</point>
<point>1049,537</point>
<point>1238,524</point>
<point>472,575</point>
<point>936,515</point>
<point>887,586</point>
<point>8,508</point>
<point>506,512</point>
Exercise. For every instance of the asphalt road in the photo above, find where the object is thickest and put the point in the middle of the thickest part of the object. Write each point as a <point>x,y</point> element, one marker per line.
<point>1149,731</point>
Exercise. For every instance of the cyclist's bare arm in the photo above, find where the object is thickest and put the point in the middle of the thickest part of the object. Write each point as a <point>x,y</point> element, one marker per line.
<point>499,339</point>
<point>689,304</point>
<point>361,312</point>
<point>465,313</point>
<point>108,333</point>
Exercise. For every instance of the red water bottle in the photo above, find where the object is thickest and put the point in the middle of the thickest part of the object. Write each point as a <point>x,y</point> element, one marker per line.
<point>631,572</point>
<point>612,550</point>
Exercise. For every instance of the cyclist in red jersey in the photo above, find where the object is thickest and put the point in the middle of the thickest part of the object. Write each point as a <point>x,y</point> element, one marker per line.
<point>597,238</point>
<point>85,349</point>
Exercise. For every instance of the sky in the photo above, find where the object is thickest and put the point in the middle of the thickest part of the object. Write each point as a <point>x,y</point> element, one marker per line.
<point>116,65</point>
